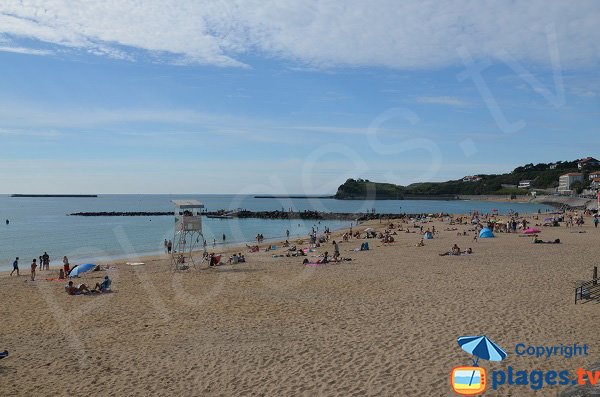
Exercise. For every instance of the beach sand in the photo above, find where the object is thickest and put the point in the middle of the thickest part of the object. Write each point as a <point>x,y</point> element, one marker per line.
<point>385,323</point>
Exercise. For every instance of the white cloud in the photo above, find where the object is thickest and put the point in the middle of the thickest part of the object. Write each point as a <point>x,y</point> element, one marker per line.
<point>404,35</point>
<point>441,100</point>
<point>23,50</point>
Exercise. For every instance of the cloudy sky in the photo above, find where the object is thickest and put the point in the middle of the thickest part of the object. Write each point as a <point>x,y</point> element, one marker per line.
<point>289,96</point>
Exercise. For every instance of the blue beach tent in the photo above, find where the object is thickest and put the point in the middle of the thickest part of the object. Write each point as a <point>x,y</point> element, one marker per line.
<point>428,236</point>
<point>486,233</point>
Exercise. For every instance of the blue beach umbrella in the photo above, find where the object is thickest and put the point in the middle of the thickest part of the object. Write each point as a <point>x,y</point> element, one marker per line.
<point>481,347</point>
<point>82,269</point>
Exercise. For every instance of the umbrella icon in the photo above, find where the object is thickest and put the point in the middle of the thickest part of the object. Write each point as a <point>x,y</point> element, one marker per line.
<point>481,347</point>
<point>77,271</point>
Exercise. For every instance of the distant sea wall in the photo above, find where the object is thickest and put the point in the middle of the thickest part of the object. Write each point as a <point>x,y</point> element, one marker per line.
<point>566,201</point>
<point>495,197</point>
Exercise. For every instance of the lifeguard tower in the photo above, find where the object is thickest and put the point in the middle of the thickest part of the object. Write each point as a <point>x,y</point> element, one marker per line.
<point>188,233</point>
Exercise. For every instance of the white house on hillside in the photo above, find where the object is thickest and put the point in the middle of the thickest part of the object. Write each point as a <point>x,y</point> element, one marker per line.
<point>525,184</point>
<point>565,181</point>
<point>594,175</point>
<point>587,162</point>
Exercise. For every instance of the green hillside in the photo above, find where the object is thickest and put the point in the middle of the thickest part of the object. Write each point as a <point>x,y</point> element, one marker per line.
<point>541,176</point>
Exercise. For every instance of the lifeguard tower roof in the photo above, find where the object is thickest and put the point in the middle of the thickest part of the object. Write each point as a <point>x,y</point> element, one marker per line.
<point>187,204</point>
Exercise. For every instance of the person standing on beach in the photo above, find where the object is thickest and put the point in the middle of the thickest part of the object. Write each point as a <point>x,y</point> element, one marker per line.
<point>46,264</point>
<point>596,220</point>
<point>336,251</point>
<point>166,246</point>
<point>66,266</point>
<point>15,267</point>
<point>287,233</point>
<point>224,238</point>
<point>33,267</point>
<point>169,246</point>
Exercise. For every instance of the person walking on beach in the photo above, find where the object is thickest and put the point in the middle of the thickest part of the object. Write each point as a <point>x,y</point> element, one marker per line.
<point>214,243</point>
<point>596,220</point>
<point>224,238</point>
<point>287,234</point>
<point>33,267</point>
<point>166,246</point>
<point>169,246</point>
<point>336,251</point>
<point>15,267</point>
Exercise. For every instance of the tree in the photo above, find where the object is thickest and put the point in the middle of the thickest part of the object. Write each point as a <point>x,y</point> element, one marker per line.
<point>577,187</point>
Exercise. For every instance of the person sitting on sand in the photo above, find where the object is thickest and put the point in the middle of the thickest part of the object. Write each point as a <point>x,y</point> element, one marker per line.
<point>214,259</point>
<point>454,251</point>
<point>253,248</point>
<point>61,274</point>
<point>421,243</point>
<point>104,286</point>
<point>76,290</point>
<point>325,258</point>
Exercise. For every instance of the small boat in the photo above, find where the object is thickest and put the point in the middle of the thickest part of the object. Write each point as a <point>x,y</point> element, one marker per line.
<point>220,216</point>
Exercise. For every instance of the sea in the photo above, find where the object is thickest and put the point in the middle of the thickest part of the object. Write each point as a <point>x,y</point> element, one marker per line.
<point>38,225</point>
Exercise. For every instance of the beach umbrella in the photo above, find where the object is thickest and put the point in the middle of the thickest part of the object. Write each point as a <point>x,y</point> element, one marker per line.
<point>531,230</point>
<point>82,269</point>
<point>481,347</point>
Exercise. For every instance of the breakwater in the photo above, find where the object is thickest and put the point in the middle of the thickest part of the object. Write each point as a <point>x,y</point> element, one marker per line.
<point>54,195</point>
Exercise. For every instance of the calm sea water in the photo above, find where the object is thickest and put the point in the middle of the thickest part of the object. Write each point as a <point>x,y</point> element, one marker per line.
<point>41,224</point>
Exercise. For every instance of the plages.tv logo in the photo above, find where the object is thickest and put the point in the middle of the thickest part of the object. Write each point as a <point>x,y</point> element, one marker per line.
<point>472,380</point>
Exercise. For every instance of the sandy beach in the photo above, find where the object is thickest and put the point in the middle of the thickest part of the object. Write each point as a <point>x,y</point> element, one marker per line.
<point>385,323</point>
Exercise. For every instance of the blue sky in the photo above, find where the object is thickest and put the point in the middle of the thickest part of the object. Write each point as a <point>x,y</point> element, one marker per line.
<point>289,97</point>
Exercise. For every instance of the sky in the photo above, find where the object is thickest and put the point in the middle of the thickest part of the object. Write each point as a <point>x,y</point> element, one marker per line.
<point>289,97</point>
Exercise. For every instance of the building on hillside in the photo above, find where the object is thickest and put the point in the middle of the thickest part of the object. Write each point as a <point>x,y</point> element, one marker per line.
<point>594,175</point>
<point>553,166</point>
<point>566,181</point>
<point>471,178</point>
<point>595,183</point>
<point>525,184</point>
<point>587,162</point>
